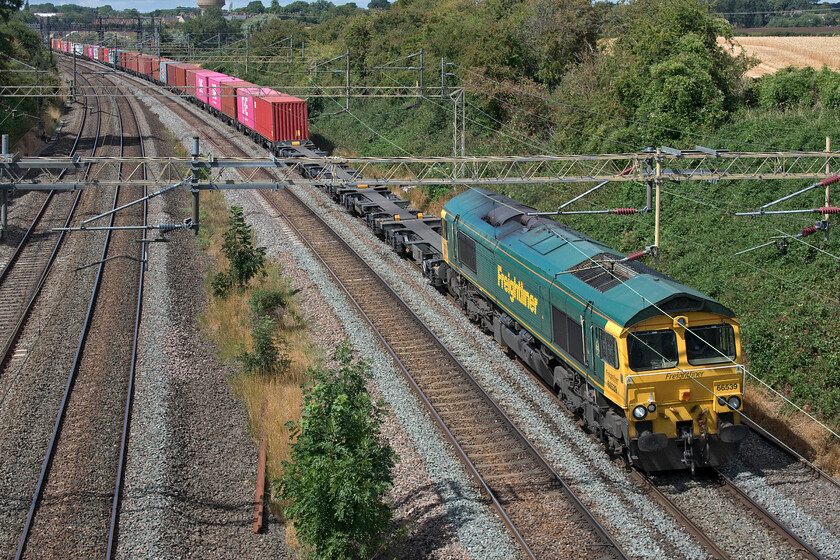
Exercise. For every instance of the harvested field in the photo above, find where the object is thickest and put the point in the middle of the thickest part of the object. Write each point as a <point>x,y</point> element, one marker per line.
<point>780,52</point>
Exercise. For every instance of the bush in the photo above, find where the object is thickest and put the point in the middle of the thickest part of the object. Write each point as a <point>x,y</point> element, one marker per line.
<point>827,83</point>
<point>267,302</point>
<point>268,357</point>
<point>789,87</point>
<point>246,261</point>
<point>340,468</point>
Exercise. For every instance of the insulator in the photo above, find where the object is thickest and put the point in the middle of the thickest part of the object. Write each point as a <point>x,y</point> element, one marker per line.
<point>170,227</point>
<point>808,231</point>
<point>635,256</point>
<point>625,211</point>
<point>830,180</point>
<point>828,210</point>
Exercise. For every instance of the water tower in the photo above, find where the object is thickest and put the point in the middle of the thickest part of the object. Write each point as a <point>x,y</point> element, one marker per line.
<point>204,4</point>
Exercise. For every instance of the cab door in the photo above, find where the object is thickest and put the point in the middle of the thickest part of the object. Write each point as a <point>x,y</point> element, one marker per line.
<point>594,364</point>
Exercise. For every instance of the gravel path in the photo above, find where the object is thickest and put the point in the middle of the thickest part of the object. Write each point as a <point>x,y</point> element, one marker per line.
<point>191,472</point>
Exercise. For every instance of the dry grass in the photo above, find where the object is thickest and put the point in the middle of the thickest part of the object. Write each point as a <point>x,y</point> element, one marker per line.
<point>775,53</point>
<point>271,402</point>
<point>30,142</point>
<point>796,430</point>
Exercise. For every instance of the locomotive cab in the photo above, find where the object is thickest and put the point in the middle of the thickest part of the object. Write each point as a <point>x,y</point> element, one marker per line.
<point>683,382</point>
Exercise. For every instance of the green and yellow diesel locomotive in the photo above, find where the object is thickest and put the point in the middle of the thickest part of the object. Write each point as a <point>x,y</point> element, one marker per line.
<point>651,365</point>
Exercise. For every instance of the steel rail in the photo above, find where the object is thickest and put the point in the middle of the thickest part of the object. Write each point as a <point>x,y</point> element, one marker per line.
<point>70,379</point>
<point>774,522</point>
<point>716,552</point>
<point>583,510</point>
<point>114,525</point>
<point>9,343</point>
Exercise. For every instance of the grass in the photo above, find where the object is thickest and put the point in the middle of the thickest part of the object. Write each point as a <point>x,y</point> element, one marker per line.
<point>271,402</point>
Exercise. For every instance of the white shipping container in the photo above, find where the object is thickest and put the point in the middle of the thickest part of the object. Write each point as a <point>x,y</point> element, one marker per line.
<point>78,49</point>
<point>163,65</point>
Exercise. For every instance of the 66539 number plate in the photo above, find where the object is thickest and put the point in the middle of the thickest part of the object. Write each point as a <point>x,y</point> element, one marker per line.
<point>726,387</point>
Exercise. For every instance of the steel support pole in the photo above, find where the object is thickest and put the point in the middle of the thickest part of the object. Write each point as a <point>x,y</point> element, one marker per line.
<point>421,73</point>
<point>246,53</point>
<point>194,188</point>
<point>827,187</point>
<point>4,194</point>
<point>658,200</point>
<point>73,87</point>
<point>463,121</point>
<point>347,104</point>
<point>442,78</point>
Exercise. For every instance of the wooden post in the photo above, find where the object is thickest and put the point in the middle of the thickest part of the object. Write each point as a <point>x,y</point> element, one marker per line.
<point>259,506</point>
<point>828,172</point>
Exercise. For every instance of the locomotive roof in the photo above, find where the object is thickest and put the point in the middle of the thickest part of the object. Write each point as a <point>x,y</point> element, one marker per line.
<point>627,292</point>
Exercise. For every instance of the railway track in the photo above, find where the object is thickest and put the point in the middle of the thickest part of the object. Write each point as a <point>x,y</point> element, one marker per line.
<point>798,544</point>
<point>89,417</point>
<point>26,270</point>
<point>538,507</point>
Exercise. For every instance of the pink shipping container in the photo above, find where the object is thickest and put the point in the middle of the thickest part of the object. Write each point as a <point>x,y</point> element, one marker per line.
<point>215,85</point>
<point>245,104</point>
<point>202,84</point>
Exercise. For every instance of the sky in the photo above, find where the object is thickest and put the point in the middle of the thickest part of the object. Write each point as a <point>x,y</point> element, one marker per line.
<point>144,6</point>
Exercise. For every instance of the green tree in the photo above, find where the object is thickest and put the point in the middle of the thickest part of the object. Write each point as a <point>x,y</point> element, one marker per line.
<point>8,7</point>
<point>254,7</point>
<point>670,49</point>
<point>245,260</point>
<point>208,24</point>
<point>340,468</point>
<point>379,5</point>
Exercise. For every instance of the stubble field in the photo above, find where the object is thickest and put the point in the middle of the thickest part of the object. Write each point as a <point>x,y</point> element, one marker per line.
<point>780,52</point>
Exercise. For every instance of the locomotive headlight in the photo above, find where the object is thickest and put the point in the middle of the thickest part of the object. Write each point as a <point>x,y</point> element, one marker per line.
<point>651,408</point>
<point>639,412</point>
<point>734,402</point>
<point>721,401</point>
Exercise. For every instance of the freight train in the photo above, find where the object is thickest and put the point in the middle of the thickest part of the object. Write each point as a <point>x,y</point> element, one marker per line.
<point>651,366</point>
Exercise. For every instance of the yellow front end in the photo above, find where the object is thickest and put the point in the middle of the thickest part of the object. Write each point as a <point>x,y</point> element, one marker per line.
<point>683,385</point>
